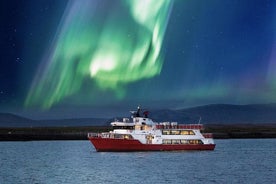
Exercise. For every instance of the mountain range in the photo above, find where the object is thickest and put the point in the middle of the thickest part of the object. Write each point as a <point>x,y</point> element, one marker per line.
<point>221,114</point>
<point>207,114</point>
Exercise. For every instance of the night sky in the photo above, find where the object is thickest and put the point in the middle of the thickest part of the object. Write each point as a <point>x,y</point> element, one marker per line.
<point>94,58</point>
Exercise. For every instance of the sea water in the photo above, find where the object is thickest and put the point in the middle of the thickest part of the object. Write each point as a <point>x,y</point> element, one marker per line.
<point>232,161</point>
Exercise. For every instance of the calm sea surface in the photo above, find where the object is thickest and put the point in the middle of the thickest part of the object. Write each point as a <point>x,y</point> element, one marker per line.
<point>233,161</point>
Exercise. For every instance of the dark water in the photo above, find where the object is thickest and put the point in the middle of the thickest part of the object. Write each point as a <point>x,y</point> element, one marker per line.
<point>233,161</point>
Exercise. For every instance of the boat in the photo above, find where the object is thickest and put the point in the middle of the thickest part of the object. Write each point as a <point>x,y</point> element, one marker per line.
<point>142,134</point>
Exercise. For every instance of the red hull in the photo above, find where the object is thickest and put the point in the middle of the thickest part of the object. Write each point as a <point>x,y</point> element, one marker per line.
<point>108,144</point>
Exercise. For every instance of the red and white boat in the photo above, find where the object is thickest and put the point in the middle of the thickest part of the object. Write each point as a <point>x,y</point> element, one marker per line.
<point>142,134</point>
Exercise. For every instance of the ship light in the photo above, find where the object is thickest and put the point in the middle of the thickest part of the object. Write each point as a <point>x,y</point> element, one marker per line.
<point>126,136</point>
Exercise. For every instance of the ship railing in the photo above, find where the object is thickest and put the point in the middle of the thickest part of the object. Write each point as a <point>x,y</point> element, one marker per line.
<point>179,126</point>
<point>207,135</point>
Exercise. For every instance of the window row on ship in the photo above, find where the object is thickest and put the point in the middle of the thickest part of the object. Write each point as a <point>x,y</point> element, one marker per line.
<point>181,141</point>
<point>178,132</point>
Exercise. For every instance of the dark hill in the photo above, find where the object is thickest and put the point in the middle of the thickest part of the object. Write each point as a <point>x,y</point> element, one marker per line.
<point>221,114</point>
<point>11,120</point>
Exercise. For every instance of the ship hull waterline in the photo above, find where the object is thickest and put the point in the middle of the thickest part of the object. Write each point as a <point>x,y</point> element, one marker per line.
<point>125,145</point>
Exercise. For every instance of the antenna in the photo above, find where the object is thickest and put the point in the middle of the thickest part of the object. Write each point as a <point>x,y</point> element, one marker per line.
<point>199,120</point>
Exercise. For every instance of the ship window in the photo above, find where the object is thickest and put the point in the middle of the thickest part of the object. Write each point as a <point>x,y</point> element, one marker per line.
<point>187,132</point>
<point>121,136</point>
<point>184,132</point>
<point>167,141</point>
<point>165,132</point>
<point>184,142</point>
<point>175,132</point>
<point>195,142</point>
<point>118,136</point>
<point>123,127</point>
<point>175,141</point>
<point>148,127</point>
<point>127,136</point>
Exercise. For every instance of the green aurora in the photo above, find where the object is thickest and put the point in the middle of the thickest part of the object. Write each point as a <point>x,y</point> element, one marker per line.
<point>109,49</point>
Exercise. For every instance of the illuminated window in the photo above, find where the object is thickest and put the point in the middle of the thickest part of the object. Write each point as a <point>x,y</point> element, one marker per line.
<point>184,142</point>
<point>184,132</point>
<point>167,141</point>
<point>187,132</point>
<point>165,132</point>
<point>195,142</point>
<point>175,141</point>
<point>175,132</point>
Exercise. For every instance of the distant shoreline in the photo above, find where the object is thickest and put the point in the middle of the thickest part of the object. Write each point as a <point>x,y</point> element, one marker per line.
<point>80,133</point>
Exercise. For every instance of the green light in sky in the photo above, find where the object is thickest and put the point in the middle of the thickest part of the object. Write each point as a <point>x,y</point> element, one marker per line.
<point>113,50</point>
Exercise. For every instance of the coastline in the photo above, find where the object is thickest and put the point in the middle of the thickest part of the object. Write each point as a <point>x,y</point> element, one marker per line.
<point>234,131</point>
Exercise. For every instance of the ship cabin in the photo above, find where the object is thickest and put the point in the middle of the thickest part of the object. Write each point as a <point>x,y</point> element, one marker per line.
<point>125,124</point>
<point>139,122</point>
<point>142,123</point>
